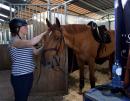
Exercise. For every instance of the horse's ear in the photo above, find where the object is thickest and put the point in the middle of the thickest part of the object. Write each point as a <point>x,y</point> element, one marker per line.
<point>48,23</point>
<point>57,22</point>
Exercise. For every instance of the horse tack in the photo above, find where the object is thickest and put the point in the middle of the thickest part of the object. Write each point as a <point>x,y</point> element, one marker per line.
<point>100,33</point>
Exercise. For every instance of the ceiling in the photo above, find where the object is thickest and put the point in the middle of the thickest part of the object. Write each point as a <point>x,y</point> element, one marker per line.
<point>95,9</point>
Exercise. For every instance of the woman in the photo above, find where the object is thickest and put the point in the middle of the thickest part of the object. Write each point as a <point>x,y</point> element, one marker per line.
<point>22,51</point>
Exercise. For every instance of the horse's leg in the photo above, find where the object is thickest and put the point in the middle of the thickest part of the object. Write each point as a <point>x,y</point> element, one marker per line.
<point>111,62</point>
<point>81,76</point>
<point>91,64</point>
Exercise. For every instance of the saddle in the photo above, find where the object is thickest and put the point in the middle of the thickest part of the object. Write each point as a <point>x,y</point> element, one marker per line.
<point>100,33</point>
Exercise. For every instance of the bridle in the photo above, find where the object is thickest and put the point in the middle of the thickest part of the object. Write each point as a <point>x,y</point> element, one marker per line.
<point>54,62</point>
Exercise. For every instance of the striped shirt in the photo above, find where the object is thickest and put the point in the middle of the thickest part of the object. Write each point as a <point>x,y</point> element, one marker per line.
<point>22,60</point>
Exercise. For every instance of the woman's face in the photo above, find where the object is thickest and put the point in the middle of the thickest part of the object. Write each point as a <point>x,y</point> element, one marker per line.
<point>24,30</point>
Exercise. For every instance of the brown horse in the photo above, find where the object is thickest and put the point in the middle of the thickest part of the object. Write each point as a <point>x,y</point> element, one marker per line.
<point>79,37</point>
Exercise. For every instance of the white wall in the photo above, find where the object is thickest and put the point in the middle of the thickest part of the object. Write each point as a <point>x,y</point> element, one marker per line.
<point>82,20</point>
<point>106,23</point>
<point>75,20</point>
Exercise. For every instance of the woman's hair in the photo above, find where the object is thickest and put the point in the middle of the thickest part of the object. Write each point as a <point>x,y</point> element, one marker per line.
<point>15,25</point>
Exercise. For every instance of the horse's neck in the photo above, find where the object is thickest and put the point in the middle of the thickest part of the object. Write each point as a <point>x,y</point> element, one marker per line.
<point>76,41</point>
<point>70,41</point>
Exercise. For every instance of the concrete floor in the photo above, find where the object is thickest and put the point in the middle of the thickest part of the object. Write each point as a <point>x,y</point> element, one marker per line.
<point>6,92</point>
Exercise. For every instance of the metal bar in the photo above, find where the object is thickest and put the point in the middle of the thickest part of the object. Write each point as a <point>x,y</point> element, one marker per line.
<point>43,15</point>
<point>18,11</point>
<point>33,25</point>
<point>37,18</point>
<point>21,11</point>
<point>38,4</point>
<point>61,14</point>
<point>49,10</point>
<point>39,22</point>
<point>10,12</point>
<point>29,36</point>
<point>25,9</point>
<point>15,11</point>
<point>65,11</point>
<point>57,12</point>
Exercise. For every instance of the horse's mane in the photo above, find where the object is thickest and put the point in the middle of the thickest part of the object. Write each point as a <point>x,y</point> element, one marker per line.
<point>76,28</point>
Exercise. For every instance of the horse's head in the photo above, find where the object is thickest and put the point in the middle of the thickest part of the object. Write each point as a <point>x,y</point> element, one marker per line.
<point>53,44</point>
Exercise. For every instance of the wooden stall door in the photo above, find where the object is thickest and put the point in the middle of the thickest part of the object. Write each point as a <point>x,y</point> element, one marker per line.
<point>51,82</point>
<point>5,62</point>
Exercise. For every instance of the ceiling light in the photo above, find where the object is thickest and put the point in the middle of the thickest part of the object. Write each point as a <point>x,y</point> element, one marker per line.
<point>124,3</point>
<point>6,7</point>
<point>2,20</point>
<point>3,15</point>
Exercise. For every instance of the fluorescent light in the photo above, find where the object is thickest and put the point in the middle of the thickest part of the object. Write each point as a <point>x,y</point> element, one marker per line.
<point>3,15</point>
<point>2,20</point>
<point>6,7</point>
<point>124,3</point>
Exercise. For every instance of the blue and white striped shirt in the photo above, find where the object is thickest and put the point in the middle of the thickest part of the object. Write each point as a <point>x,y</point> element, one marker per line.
<point>22,60</point>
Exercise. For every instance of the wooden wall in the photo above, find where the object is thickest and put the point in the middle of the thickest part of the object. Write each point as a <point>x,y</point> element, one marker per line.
<point>51,82</point>
<point>4,57</point>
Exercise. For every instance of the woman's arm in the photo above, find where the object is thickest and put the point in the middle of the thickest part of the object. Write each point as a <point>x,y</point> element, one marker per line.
<point>36,39</point>
<point>28,43</point>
